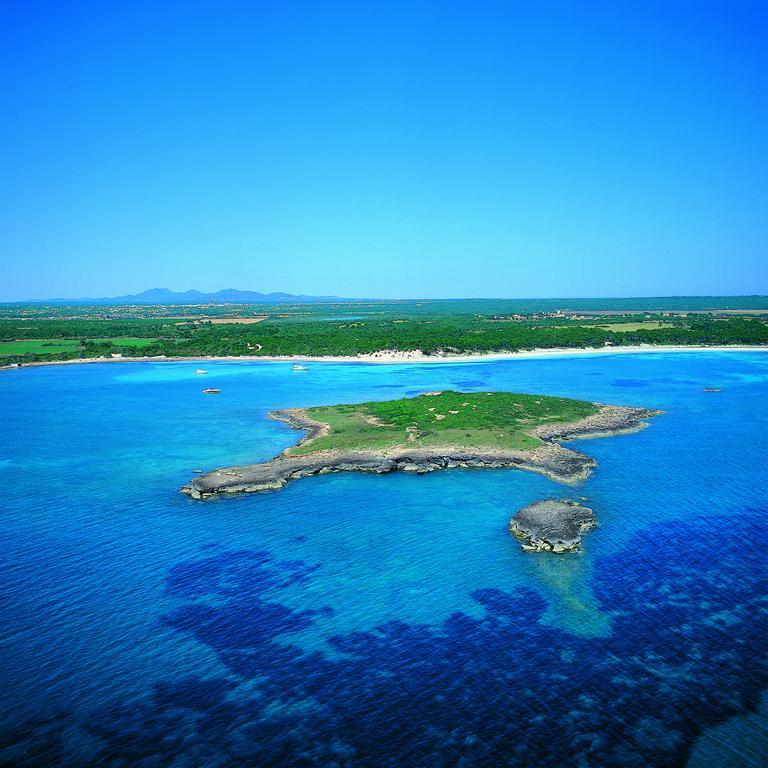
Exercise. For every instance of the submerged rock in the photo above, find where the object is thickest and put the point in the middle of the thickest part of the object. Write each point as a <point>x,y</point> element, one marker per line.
<point>553,525</point>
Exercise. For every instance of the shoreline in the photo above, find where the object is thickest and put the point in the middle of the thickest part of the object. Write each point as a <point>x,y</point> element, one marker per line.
<point>389,357</point>
<point>563,465</point>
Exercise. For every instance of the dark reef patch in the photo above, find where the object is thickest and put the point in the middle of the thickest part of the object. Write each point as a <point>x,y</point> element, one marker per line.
<point>470,384</point>
<point>688,651</point>
<point>631,383</point>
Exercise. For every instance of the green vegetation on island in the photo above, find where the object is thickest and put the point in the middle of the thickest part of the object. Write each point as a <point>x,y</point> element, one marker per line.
<point>35,333</point>
<point>430,432</point>
<point>476,420</point>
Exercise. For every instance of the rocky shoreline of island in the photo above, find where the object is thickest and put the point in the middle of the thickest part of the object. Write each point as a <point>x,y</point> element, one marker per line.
<point>564,465</point>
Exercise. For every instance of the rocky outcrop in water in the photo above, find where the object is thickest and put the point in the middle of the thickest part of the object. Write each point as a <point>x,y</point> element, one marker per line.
<point>553,525</point>
<point>561,464</point>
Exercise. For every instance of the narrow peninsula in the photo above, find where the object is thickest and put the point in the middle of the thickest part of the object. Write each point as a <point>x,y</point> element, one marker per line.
<point>435,430</point>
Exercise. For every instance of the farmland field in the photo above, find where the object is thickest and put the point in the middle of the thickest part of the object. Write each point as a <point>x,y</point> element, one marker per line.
<point>125,342</point>
<point>38,346</point>
<point>648,325</point>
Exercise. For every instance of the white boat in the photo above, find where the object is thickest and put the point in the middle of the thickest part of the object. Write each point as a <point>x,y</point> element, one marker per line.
<point>200,371</point>
<point>300,368</point>
<point>211,391</point>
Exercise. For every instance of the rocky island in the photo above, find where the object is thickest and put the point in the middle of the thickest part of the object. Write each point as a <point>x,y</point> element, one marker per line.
<point>553,525</point>
<point>435,430</point>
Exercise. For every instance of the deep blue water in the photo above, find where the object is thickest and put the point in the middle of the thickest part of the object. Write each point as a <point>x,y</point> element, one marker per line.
<point>357,620</point>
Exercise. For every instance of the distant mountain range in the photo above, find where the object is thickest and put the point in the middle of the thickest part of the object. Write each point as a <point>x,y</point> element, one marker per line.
<point>627,304</point>
<point>166,296</point>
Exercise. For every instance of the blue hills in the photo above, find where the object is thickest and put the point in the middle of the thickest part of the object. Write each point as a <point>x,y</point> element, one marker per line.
<point>166,296</point>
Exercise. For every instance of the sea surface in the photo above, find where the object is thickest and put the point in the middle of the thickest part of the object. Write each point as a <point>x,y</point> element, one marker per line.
<point>356,620</point>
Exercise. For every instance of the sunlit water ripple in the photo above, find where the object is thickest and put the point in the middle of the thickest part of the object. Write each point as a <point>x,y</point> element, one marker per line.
<point>358,620</point>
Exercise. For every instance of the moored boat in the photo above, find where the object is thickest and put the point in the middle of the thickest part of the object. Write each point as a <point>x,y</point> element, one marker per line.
<point>300,368</point>
<point>211,391</point>
<point>200,371</point>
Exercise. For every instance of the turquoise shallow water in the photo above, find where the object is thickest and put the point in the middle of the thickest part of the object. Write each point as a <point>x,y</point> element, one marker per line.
<point>378,621</point>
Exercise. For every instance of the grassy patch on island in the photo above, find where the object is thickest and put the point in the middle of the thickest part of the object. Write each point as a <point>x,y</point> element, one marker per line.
<point>38,346</point>
<point>476,420</point>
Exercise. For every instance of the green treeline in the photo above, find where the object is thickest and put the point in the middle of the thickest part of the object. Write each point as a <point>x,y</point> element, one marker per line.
<point>278,335</point>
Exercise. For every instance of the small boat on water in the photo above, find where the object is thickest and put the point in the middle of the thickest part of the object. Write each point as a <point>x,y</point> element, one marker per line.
<point>712,389</point>
<point>200,371</point>
<point>211,391</point>
<point>300,368</point>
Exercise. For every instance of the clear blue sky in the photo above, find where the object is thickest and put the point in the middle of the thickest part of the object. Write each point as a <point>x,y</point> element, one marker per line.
<point>400,149</point>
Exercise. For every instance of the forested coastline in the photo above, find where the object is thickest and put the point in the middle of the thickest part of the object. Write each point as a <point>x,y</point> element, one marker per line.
<point>40,339</point>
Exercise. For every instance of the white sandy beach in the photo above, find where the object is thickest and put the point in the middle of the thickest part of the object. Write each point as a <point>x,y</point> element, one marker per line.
<point>389,357</point>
